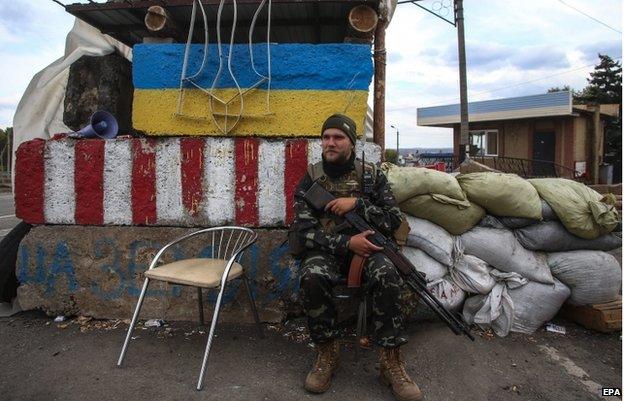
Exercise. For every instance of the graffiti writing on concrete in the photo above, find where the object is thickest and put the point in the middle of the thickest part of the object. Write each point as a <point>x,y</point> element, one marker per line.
<point>53,267</point>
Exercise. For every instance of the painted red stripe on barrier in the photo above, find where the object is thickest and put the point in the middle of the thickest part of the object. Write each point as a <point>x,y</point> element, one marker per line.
<point>296,157</point>
<point>246,194</point>
<point>89,181</point>
<point>29,175</point>
<point>143,181</point>
<point>192,150</point>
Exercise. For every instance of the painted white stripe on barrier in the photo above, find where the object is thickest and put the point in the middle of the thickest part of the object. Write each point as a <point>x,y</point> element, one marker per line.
<point>314,150</point>
<point>271,201</point>
<point>118,182</point>
<point>169,207</point>
<point>219,181</point>
<point>59,198</point>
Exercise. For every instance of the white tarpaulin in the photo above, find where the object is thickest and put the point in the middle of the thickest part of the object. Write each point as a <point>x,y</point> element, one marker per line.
<point>39,113</point>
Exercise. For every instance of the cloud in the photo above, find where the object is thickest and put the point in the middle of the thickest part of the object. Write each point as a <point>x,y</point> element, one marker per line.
<point>16,13</point>
<point>611,48</point>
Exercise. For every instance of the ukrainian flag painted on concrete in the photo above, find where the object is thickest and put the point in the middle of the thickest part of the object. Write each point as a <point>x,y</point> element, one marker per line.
<point>308,83</point>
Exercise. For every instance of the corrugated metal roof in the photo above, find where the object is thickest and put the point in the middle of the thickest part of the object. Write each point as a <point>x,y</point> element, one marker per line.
<point>543,105</point>
<point>299,21</point>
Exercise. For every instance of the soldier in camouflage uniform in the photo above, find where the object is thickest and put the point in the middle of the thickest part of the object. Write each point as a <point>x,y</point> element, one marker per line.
<point>325,246</point>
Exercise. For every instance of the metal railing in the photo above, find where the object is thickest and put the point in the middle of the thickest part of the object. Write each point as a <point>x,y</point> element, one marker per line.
<point>525,168</point>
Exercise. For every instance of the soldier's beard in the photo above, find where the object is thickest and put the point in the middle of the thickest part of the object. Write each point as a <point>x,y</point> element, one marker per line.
<point>340,166</point>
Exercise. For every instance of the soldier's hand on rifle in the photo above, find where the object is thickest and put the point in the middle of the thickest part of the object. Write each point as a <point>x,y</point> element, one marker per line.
<point>340,206</point>
<point>360,245</point>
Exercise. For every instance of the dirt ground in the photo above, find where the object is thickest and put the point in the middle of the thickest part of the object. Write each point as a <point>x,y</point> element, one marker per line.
<point>76,360</point>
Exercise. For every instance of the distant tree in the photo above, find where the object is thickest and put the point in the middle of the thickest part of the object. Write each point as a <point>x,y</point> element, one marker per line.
<point>391,156</point>
<point>605,83</point>
<point>560,89</point>
<point>4,135</point>
<point>565,88</point>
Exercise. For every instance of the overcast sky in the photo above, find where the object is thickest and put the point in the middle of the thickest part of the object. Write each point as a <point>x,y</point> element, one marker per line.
<point>514,48</point>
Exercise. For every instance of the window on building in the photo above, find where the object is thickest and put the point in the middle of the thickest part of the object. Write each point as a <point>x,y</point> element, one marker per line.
<point>485,141</point>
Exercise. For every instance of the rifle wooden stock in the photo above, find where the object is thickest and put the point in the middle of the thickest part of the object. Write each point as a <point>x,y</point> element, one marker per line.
<point>354,278</point>
<point>317,197</point>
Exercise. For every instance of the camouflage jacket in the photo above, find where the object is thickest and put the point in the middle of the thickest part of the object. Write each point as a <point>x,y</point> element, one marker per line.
<point>379,209</point>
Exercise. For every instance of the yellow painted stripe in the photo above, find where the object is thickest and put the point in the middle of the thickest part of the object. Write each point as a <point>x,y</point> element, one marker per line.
<point>292,113</point>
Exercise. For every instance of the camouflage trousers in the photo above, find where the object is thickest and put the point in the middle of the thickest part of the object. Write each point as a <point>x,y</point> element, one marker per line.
<point>321,272</point>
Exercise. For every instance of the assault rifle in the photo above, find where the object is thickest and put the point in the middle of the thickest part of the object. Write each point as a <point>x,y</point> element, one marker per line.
<point>317,197</point>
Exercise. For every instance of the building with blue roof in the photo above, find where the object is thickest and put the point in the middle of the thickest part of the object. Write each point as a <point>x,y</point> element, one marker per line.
<point>546,127</point>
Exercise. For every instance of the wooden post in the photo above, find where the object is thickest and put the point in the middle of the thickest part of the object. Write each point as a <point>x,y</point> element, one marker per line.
<point>596,145</point>
<point>380,86</point>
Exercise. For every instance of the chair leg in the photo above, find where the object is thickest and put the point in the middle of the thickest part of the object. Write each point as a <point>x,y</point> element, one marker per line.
<point>252,302</point>
<point>200,305</point>
<point>213,326</point>
<point>133,322</point>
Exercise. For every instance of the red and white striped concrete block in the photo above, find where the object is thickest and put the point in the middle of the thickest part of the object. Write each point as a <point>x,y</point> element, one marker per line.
<point>163,182</point>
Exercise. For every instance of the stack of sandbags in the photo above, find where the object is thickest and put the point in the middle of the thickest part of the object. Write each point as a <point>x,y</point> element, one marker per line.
<point>433,195</point>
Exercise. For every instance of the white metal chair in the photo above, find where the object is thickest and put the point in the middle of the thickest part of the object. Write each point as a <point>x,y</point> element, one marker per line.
<point>228,244</point>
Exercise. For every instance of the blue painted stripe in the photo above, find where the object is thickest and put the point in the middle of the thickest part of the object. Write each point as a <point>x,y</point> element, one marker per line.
<point>547,100</point>
<point>338,66</point>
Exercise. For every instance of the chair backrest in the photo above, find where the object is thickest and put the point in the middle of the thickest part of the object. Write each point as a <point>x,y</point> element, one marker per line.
<point>226,242</point>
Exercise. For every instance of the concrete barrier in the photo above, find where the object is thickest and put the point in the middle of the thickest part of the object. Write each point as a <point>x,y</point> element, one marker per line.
<point>97,271</point>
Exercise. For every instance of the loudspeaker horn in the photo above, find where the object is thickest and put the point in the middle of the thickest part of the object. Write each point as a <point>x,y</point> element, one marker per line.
<point>102,125</point>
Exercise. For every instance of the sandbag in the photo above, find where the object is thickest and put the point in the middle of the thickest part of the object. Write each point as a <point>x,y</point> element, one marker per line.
<point>432,239</point>
<point>407,182</point>
<point>583,211</point>
<point>502,194</point>
<point>548,214</point>
<point>516,222</point>
<point>490,221</point>
<point>552,236</point>
<point>500,249</point>
<point>535,303</point>
<point>454,219</point>
<point>424,263</point>
<point>472,275</point>
<point>496,309</point>
<point>448,293</point>
<point>593,276</point>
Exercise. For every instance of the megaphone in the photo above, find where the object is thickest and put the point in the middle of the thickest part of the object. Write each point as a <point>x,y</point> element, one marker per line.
<point>102,125</point>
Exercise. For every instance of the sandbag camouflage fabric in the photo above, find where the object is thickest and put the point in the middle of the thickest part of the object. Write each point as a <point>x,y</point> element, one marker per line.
<point>321,272</point>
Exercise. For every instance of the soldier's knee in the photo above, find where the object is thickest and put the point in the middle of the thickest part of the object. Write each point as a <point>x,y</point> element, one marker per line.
<point>381,268</point>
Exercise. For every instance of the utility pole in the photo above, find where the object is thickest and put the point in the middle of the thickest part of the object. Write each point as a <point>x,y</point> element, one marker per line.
<point>464,140</point>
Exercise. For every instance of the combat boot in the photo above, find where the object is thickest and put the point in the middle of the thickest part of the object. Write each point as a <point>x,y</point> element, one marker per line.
<point>327,360</point>
<point>392,373</point>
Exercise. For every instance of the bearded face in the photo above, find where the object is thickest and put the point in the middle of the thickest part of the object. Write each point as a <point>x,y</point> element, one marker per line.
<point>336,146</point>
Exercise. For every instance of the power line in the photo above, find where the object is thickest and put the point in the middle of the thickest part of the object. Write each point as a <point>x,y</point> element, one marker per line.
<point>505,87</point>
<point>589,16</point>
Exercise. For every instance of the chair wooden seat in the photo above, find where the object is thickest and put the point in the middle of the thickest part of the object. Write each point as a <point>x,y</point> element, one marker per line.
<point>200,272</point>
